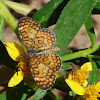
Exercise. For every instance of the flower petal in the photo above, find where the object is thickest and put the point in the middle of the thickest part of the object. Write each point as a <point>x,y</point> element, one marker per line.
<point>14,50</point>
<point>98,86</point>
<point>16,78</point>
<point>85,83</point>
<point>70,76</point>
<point>87,67</point>
<point>78,89</point>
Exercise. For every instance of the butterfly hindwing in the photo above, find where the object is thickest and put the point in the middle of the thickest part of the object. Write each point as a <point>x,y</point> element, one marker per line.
<point>50,59</point>
<point>43,75</point>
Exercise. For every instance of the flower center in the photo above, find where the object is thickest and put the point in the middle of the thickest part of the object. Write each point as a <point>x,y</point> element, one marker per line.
<point>80,76</point>
<point>91,93</point>
<point>23,66</point>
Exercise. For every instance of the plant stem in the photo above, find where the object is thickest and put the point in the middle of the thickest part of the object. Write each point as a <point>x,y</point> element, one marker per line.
<point>94,56</point>
<point>83,53</point>
<point>9,18</point>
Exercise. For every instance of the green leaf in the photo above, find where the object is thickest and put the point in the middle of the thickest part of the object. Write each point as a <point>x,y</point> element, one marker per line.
<point>19,93</point>
<point>39,94</point>
<point>70,21</point>
<point>54,97</point>
<point>97,6</point>
<point>49,13</point>
<point>67,52</point>
<point>90,30</point>
<point>66,65</point>
<point>79,61</point>
<point>60,84</point>
<point>9,18</point>
<point>50,96</point>
<point>3,96</point>
<point>71,93</point>
<point>1,27</point>
<point>18,7</point>
<point>72,96</point>
<point>93,75</point>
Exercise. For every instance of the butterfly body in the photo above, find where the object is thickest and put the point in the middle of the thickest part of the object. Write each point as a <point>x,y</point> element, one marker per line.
<point>31,53</point>
<point>39,44</point>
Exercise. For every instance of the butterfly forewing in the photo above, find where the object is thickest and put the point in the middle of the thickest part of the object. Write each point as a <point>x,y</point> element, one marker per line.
<point>44,38</point>
<point>28,29</point>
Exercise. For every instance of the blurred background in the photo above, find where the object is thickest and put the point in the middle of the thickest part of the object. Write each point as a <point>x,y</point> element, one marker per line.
<point>80,41</point>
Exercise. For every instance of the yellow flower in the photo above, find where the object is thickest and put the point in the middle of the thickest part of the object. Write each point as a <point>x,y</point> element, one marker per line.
<point>15,52</point>
<point>91,92</point>
<point>80,76</point>
<point>76,81</point>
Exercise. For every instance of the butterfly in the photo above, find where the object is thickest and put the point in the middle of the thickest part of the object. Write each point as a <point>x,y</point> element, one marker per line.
<point>39,44</point>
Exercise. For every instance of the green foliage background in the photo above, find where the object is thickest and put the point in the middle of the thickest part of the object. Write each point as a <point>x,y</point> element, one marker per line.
<point>68,17</point>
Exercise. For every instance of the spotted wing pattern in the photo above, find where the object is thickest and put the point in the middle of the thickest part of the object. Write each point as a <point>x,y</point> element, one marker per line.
<point>44,39</point>
<point>43,74</point>
<point>43,63</point>
<point>52,60</point>
<point>28,28</point>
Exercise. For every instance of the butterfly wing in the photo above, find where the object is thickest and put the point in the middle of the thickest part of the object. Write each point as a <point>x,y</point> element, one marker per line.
<point>28,29</point>
<point>44,39</point>
<point>43,75</point>
<point>43,65</point>
<point>52,60</point>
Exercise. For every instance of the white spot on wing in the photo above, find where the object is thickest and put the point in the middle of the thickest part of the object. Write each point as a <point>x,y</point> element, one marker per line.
<point>20,28</point>
<point>20,36</point>
<point>36,78</point>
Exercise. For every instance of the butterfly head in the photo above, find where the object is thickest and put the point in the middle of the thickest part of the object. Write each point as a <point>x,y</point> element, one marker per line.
<point>31,53</point>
